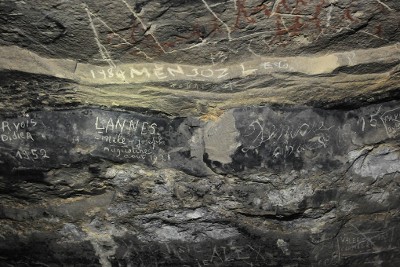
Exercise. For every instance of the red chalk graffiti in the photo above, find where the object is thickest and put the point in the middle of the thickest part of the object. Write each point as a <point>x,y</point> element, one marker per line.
<point>242,12</point>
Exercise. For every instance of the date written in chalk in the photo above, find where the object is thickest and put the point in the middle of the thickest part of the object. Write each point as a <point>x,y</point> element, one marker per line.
<point>32,154</point>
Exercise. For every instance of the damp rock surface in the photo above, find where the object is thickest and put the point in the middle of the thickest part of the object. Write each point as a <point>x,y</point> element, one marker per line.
<point>199,133</point>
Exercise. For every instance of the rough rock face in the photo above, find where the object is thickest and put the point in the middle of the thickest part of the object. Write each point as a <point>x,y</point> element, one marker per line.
<point>199,133</point>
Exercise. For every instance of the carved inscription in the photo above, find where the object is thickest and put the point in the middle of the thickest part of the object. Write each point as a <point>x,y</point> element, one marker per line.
<point>286,140</point>
<point>271,24</point>
<point>387,118</point>
<point>356,243</point>
<point>17,130</point>
<point>359,242</point>
<point>49,139</point>
<point>281,137</point>
<point>391,121</point>
<point>199,254</point>
<point>278,138</point>
<point>160,72</point>
<point>130,138</point>
<point>32,154</point>
<point>20,141</point>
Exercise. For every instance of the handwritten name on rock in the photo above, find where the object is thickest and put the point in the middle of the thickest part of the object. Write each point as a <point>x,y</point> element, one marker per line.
<point>158,72</point>
<point>135,126</point>
<point>18,134</point>
<point>362,242</point>
<point>130,138</point>
<point>17,130</point>
<point>203,255</point>
<point>288,139</point>
<point>389,119</point>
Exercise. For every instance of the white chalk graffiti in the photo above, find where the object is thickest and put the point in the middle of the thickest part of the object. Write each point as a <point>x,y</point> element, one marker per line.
<point>391,122</point>
<point>389,119</point>
<point>32,154</point>
<point>130,138</point>
<point>286,140</point>
<point>159,72</point>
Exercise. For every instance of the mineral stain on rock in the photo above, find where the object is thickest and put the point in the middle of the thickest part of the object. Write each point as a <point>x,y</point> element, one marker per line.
<point>199,133</point>
<point>220,139</point>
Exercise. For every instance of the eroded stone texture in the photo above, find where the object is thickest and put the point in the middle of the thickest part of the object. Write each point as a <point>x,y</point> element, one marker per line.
<point>295,186</point>
<point>199,133</point>
<point>204,31</point>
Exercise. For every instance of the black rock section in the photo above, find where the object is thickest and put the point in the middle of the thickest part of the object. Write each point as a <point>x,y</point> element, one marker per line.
<point>279,186</point>
<point>45,248</point>
<point>45,140</point>
<point>280,138</point>
<point>269,138</point>
<point>199,133</point>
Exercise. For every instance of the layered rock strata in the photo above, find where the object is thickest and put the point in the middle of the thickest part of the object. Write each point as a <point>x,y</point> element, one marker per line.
<point>199,133</point>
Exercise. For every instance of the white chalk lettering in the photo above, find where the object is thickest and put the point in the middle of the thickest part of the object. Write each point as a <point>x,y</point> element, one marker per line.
<point>158,72</point>
<point>161,72</point>
<point>133,126</point>
<point>286,140</point>
<point>207,75</point>
<point>16,136</point>
<point>18,125</point>
<point>172,71</point>
<point>135,72</point>
<point>97,124</point>
<point>110,72</point>
<point>247,72</point>
<point>222,72</point>
<point>32,154</point>
<point>196,73</point>
<point>124,126</point>
<point>121,74</point>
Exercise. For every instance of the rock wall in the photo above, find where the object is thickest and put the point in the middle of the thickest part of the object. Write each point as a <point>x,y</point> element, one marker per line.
<point>199,133</point>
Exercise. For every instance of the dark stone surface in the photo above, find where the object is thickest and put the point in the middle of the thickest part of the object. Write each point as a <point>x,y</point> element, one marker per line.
<point>271,138</point>
<point>201,31</point>
<point>233,252</point>
<point>286,138</point>
<point>46,249</point>
<point>199,133</point>
<point>45,140</point>
<point>304,187</point>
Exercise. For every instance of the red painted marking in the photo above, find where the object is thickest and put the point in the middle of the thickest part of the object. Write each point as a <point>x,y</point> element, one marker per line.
<point>194,35</point>
<point>216,27</point>
<point>168,44</point>
<point>197,32</point>
<point>284,4</point>
<point>264,8</point>
<point>136,30</point>
<point>110,37</point>
<point>347,14</point>
<point>296,8</point>
<point>300,1</point>
<point>379,30</point>
<point>316,15</point>
<point>381,7</point>
<point>242,12</point>
<point>279,30</point>
<point>296,27</point>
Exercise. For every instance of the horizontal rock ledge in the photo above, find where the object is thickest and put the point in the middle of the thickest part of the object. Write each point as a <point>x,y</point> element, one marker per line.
<point>338,79</point>
<point>19,59</point>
